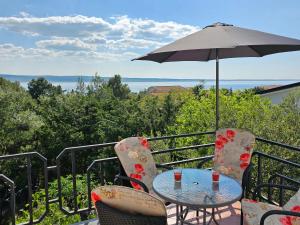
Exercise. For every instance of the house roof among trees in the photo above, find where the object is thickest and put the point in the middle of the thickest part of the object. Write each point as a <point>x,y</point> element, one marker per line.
<point>269,89</point>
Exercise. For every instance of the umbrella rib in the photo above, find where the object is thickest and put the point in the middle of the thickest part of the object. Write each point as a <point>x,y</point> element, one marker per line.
<point>166,58</point>
<point>255,50</point>
<point>208,55</point>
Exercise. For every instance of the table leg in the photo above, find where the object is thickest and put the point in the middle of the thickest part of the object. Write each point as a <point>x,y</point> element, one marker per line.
<point>204,216</point>
<point>177,214</point>
<point>197,215</point>
<point>181,215</point>
<point>213,218</point>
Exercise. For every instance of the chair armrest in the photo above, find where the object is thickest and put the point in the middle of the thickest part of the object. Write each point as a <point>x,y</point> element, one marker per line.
<point>117,177</point>
<point>200,164</point>
<point>164,167</point>
<point>277,212</point>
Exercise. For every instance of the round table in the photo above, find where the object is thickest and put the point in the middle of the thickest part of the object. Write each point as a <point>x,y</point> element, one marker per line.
<point>197,191</point>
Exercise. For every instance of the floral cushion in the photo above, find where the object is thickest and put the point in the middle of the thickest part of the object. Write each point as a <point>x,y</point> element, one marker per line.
<point>253,211</point>
<point>292,205</point>
<point>233,150</point>
<point>129,200</point>
<point>136,158</point>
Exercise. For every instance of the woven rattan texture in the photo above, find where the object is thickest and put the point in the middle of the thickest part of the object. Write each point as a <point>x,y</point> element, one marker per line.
<point>111,216</point>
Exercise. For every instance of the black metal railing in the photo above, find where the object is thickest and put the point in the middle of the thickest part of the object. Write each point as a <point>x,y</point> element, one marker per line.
<point>99,165</point>
<point>281,163</point>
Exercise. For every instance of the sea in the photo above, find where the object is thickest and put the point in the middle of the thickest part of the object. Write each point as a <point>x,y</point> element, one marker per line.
<point>140,84</point>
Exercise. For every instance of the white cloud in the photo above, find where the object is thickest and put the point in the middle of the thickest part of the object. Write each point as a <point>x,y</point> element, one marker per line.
<point>66,44</point>
<point>150,29</point>
<point>61,26</point>
<point>11,52</point>
<point>84,39</point>
<point>132,43</point>
<point>78,26</point>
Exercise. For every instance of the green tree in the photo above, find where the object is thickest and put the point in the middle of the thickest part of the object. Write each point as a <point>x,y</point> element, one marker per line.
<point>198,90</point>
<point>80,87</point>
<point>40,86</point>
<point>18,121</point>
<point>119,90</point>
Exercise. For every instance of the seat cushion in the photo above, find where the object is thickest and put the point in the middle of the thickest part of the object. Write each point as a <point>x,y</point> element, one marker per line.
<point>136,158</point>
<point>129,200</point>
<point>233,151</point>
<point>293,205</point>
<point>253,211</point>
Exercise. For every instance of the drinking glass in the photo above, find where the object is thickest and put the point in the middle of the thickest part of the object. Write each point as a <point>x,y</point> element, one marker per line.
<point>215,176</point>
<point>177,175</point>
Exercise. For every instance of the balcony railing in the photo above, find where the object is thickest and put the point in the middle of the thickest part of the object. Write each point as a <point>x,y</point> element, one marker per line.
<point>106,167</point>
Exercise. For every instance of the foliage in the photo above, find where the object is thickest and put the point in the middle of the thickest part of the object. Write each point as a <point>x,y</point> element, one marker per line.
<point>19,122</point>
<point>55,215</point>
<point>40,86</point>
<point>47,120</point>
<point>243,109</point>
<point>198,90</point>
<point>119,90</point>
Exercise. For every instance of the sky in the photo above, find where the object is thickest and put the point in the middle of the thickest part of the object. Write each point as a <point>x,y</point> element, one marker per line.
<point>82,37</point>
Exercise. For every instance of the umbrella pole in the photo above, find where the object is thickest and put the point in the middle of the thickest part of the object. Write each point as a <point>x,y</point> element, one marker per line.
<point>217,90</point>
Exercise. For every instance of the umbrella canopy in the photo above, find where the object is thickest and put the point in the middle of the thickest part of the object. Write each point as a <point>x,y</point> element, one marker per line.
<point>231,42</point>
<point>219,41</point>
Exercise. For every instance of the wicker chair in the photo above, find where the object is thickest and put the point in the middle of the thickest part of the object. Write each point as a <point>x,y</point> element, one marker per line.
<point>269,214</point>
<point>121,205</point>
<point>135,156</point>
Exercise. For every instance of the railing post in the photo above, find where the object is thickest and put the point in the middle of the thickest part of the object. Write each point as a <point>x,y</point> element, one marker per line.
<point>101,174</point>
<point>11,185</point>
<point>88,183</point>
<point>259,179</point>
<point>13,203</point>
<point>120,170</point>
<point>172,145</point>
<point>74,180</point>
<point>59,184</point>
<point>270,181</point>
<point>281,192</point>
<point>29,184</point>
<point>46,186</point>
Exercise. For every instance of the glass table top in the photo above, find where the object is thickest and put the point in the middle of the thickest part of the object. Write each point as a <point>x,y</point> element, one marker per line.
<point>196,189</point>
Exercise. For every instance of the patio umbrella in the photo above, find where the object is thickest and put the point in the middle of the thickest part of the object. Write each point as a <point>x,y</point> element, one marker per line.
<point>220,41</point>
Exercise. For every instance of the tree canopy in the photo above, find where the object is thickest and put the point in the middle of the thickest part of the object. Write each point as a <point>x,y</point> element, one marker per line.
<point>46,119</point>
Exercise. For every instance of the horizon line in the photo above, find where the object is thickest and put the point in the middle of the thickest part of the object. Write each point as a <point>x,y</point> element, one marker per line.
<point>157,78</point>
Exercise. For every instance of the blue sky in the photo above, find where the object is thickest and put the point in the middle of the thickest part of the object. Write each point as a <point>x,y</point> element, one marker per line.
<point>82,37</point>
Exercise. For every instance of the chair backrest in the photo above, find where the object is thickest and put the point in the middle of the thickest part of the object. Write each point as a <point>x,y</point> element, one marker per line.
<point>233,151</point>
<point>123,205</point>
<point>135,156</point>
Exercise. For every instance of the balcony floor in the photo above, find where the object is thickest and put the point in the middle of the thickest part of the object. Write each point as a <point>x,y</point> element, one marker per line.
<point>229,215</point>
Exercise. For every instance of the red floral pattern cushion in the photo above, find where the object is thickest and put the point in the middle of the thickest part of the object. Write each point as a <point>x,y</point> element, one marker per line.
<point>254,210</point>
<point>129,200</point>
<point>233,150</point>
<point>292,205</point>
<point>136,158</point>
